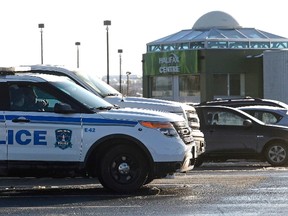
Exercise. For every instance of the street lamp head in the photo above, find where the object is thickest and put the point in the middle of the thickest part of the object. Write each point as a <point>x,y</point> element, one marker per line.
<point>120,51</point>
<point>128,73</point>
<point>77,43</point>
<point>107,22</point>
<point>41,25</point>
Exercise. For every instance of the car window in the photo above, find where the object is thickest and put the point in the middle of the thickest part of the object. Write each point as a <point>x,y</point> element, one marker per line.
<point>80,94</point>
<point>28,97</point>
<point>4,99</point>
<point>223,118</point>
<point>266,117</point>
<point>98,85</point>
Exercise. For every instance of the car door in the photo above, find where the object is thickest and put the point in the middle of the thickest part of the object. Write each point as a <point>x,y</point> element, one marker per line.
<point>225,133</point>
<point>42,135</point>
<point>3,144</point>
<point>4,104</point>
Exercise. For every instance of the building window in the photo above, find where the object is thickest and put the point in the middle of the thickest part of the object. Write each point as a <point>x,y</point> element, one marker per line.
<point>228,85</point>
<point>218,44</point>
<point>189,85</point>
<point>162,86</point>
<point>234,85</point>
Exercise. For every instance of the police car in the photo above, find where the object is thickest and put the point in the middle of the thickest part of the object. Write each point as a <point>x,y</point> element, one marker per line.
<point>111,95</point>
<point>51,126</point>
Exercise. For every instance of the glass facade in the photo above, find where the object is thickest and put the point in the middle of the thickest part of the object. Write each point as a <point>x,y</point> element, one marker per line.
<point>228,85</point>
<point>165,87</point>
<point>162,86</point>
<point>189,85</point>
<point>238,38</point>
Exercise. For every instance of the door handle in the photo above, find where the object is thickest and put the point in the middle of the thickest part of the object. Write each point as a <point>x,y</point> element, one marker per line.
<point>20,120</point>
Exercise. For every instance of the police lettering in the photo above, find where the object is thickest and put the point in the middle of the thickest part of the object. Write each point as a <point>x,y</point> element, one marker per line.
<point>25,137</point>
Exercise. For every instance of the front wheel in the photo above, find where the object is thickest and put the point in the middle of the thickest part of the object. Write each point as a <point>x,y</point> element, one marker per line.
<point>123,169</point>
<point>277,154</point>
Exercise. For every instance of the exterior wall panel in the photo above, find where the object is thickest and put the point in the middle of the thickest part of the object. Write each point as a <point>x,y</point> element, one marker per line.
<point>275,72</point>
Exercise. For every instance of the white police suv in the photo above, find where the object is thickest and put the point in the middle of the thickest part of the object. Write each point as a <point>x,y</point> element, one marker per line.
<point>51,126</point>
<point>111,95</point>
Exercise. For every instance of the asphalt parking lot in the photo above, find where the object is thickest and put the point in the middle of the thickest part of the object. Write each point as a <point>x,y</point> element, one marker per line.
<point>231,188</point>
<point>32,183</point>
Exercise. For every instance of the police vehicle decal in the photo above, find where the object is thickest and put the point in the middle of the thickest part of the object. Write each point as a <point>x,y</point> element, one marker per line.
<point>25,137</point>
<point>2,119</point>
<point>108,122</point>
<point>74,120</point>
<point>63,138</point>
<point>47,119</point>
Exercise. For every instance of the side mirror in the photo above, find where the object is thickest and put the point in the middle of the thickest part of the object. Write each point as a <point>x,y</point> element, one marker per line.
<point>247,123</point>
<point>62,108</point>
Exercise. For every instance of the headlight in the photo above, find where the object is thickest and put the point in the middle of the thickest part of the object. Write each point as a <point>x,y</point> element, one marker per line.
<point>166,128</point>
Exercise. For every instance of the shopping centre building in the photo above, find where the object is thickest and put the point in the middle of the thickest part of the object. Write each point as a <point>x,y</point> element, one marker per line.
<point>217,58</point>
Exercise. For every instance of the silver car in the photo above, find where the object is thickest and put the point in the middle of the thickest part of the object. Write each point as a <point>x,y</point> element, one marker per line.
<point>268,114</point>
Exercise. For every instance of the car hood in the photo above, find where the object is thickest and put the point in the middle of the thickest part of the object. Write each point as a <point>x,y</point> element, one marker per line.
<point>149,103</point>
<point>134,114</point>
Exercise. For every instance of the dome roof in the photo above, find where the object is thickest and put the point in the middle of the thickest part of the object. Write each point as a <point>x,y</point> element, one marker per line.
<point>218,30</point>
<point>216,19</point>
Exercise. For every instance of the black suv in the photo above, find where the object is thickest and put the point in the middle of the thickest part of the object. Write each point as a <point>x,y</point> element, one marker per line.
<point>245,101</point>
<point>233,134</point>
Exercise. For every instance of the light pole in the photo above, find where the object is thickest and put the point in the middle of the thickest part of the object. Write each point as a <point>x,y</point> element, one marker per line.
<point>107,23</point>
<point>41,26</point>
<point>120,76</point>
<point>128,73</point>
<point>77,44</point>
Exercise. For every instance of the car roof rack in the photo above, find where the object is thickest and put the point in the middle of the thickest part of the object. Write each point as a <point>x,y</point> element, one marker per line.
<point>248,98</point>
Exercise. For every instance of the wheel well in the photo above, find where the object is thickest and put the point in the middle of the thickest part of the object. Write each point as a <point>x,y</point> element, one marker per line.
<point>271,142</point>
<point>98,150</point>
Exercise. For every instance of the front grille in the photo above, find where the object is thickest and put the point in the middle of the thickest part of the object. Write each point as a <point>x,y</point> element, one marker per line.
<point>193,119</point>
<point>184,132</point>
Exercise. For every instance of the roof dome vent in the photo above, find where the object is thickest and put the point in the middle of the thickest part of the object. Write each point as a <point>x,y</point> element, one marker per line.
<point>216,19</point>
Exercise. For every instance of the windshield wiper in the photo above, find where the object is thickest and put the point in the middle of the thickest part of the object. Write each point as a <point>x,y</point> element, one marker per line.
<point>104,108</point>
<point>111,94</point>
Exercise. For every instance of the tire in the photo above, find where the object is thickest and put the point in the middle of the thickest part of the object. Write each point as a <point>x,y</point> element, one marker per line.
<point>123,169</point>
<point>149,180</point>
<point>277,154</point>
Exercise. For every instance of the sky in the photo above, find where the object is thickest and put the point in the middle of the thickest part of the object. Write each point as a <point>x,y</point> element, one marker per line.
<point>134,23</point>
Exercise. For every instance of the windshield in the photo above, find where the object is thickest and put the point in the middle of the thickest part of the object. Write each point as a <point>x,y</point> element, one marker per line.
<point>80,94</point>
<point>97,84</point>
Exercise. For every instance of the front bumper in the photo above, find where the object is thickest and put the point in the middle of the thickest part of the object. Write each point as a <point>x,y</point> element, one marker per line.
<point>199,141</point>
<point>161,169</point>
